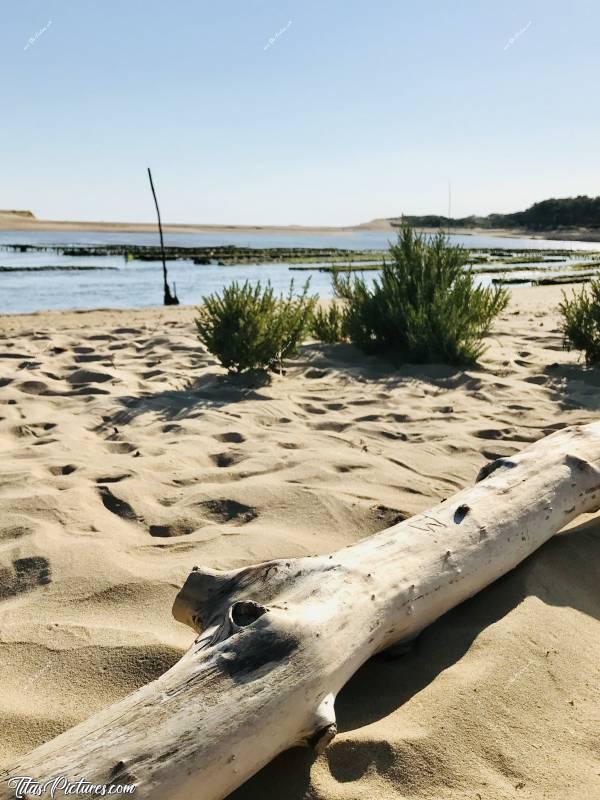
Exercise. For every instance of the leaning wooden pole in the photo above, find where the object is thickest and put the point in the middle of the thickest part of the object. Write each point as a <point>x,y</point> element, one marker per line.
<point>277,641</point>
<point>169,299</point>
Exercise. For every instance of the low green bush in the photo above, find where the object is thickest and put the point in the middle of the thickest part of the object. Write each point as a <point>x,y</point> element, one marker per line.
<point>425,306</point>
<point>329,324</point>
<point>250,328</point>
<point>581,322</point>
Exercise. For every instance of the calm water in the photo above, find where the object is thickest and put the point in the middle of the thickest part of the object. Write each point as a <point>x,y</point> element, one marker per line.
<point>139,284</point>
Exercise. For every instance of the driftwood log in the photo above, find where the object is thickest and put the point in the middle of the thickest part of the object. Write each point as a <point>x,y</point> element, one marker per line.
<point>277,641</point>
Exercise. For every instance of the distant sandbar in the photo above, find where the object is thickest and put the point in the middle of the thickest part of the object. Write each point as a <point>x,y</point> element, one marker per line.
<point>26,221</point>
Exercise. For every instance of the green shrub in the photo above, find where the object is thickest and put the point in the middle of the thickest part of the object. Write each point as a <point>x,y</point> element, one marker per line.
<point>581,322</point>
<point>424,307</point>
<point>250,328</point>
<point>329,324</point>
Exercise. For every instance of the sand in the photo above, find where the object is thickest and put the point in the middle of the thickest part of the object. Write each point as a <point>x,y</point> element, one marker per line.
<point>20,221</point>
<point>25,221</point>
<point>128,458</point>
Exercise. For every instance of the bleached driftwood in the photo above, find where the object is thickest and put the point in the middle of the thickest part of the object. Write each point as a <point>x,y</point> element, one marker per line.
<point>278,640</point>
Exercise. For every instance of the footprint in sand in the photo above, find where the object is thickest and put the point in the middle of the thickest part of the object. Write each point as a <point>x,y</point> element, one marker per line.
<point>231,436</point>
<point>182,527</point>
<point>115,505</point>
<point>386,516</point>
<point>399,417</point>
<point>30,365</point>
<point>228,511</point>
<point>113,478</point>
<point>311,409</point>
<point>34,387</point>
<point>334,427</point>
<point>34,429</point>
<point>120,447</point>
<point>495,433</point>
<point>398,436</point>
<point>506,433</point>
<point>80,376</point>
<point>173,427</point>
<point>26,574</point>
<point>227,459</point>
<point>65,469</point>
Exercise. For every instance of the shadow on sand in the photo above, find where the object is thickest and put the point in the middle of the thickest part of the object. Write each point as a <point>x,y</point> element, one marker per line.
<point>209,392</point>
<point>575,385</point>
<point>214,391</point>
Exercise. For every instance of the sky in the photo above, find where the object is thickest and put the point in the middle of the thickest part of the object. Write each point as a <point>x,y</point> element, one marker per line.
<point>315,112</point>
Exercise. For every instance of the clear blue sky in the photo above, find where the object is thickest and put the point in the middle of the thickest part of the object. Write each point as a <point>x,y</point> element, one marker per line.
<point>358,109</point>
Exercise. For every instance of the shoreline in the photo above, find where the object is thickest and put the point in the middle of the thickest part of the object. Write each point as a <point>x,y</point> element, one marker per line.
<point>18,223</point>
<point>530,297</point>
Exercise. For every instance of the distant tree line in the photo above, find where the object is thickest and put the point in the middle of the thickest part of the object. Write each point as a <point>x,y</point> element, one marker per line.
<point>565,212</point>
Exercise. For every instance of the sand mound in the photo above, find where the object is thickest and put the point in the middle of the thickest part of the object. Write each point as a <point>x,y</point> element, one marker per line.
<point>6,214</point>
<point>128,458</point>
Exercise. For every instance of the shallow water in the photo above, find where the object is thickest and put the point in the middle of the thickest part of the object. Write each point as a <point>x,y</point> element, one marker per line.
<point>139,284</point>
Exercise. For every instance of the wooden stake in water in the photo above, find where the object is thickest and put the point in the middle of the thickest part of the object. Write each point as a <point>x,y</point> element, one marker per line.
<point>170,299</point>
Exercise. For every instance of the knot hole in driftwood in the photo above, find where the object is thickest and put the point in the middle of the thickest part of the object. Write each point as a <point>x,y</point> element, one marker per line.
<point>240,615</point>
<point>245,612</point>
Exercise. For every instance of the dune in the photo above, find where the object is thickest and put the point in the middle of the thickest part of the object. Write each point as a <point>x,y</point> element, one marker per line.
<point>5,212</point>
<point>129,457</point>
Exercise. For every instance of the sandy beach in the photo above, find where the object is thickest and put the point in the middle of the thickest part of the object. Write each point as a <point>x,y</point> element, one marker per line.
<point>129,457</point>
<point>26,221</point>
